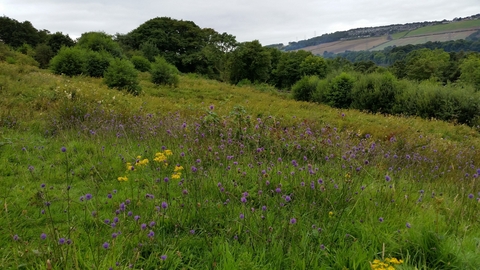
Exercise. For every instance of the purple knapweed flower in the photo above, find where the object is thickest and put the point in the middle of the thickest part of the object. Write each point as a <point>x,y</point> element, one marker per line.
<point>242,216</point>
<point>106,245</point>
<point>143,226</point>
<point>164,205</point>
<point>43,236</point>
<point>164,257</point>
<point>88,196</point>
<point>408,225</point>
<point>387,178</point>
<point>151,234</point>
<point>293,220</point>
<point>61,241</point>
<point>380,219</point>
<point>63,149</point>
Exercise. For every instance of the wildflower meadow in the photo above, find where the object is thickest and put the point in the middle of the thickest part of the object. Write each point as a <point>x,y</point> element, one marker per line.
<point>213,176</point>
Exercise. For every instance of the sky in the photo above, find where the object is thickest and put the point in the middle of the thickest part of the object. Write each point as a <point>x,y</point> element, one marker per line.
<point>269,21</point>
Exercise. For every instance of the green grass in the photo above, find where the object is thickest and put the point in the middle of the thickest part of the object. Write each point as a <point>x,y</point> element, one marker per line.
<point>453,26</point>
<point>267,182</point>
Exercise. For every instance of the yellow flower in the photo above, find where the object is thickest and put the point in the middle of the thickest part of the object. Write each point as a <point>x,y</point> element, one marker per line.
<point>178,168</point>
<point>122,179</point>
<point>168,152</point>
<point>330,214</point>
<point>160,157</point>
<point>142,162</point>
<point>176,175</point>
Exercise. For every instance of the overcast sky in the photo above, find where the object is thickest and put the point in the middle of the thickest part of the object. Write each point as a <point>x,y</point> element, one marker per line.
<point>269,21</point>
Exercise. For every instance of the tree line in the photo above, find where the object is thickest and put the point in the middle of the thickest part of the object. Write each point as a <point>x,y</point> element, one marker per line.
<point>428,82</point>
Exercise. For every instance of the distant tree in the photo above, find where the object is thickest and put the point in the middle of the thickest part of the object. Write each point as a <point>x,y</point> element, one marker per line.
<point>250,61</point>
<point>424,64</point>
<point>57,40</point>
<point>16,33</point>
<point>287,72</point>
<point>96,63</point>
<point>314,65</point>
<point>176,40</point>
<point>43,55</point>
<point>470,70</point>
<point>99,41</point>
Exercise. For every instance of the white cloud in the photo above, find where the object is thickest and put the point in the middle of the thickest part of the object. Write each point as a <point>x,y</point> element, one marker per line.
<point>266,20</point>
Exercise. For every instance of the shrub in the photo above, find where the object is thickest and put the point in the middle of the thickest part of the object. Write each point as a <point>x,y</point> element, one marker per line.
<point>69,61</point>
<point>97,63</point>
<point>121,74</point>
<point>43,55</point>
<point>305,87</point>
<point>141,63</point>
<point>375,92</point>
<point>164,73</point>
<point>339,93</point>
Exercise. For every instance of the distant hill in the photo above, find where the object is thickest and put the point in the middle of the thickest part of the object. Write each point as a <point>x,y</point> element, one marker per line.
<point>378,38</point>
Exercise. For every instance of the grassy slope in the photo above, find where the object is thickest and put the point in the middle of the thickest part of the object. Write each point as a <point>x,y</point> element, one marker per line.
<point>33,97</point>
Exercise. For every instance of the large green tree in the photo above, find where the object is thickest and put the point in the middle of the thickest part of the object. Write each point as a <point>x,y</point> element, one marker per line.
<point>250,61</point>
<point>288,72</point>
<point>15,33</point>
<point>425,64</point>
<point>176,40</point>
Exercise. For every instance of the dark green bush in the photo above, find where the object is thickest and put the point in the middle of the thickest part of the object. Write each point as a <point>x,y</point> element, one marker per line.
<point>121,74</point>
<point>375,92</point>
<point>339,94</point>
<point>141,63</point>
<point>69,61</point>
<point>164,73</point>
<point>97,63</point>
<point>43,55</point>
<point>305,87</point>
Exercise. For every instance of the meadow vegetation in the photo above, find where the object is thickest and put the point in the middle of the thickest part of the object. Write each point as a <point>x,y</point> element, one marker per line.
<point>210,175</point>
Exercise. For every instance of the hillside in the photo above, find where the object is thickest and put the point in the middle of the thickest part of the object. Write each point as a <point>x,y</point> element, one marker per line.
<point>378,38</point>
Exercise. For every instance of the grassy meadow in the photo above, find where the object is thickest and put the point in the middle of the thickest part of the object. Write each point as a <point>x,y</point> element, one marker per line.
<point>214,176</point>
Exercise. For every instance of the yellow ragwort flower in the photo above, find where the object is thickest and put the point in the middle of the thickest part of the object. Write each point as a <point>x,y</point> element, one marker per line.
<point>176,175</point>
<point>122,179</point>
<point>178,168</point>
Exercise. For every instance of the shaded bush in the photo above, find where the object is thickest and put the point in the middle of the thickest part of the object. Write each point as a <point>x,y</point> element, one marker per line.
<point>304,88</point>
<point>164,73</point>
<point>141,63</point>
<point>69,61</point>
<point>339,94</point>
<point>121,74</point>
<point>96,63</point>
<point>375,92</point>
<point>43,55</point>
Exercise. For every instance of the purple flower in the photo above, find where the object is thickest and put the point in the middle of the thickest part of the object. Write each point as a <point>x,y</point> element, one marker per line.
<point>136,218</point>
<point>61,241</point>
<point>107,221</point>
<point>287,198</point>
<point>143,226</point>
<point>63,149</point>
<point>192,231</point>
<point>243,200</point>
<point>264,208</point>
<point>106,245</point>
<point>43,236</point>
<point>163,257</point>
<point>42,185</point>
<point>164,205</point>
<point>122,206</point>
<point>242,216</point>
<point>152,223</point>
<point>115,219</point>
<point>387,178</point>
<point>109,195</point>
<point>151,234</point>
<point>278,190</point>
<point>15,237</point>
<point>114,235</point>
<point>88,196</point>
<point>380,219</point>
<point>293,220</point>
<point>408,225</point>
<point>322,247</point>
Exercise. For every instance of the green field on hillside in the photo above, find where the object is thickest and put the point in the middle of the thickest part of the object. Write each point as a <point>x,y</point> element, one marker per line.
<point>453,26</point>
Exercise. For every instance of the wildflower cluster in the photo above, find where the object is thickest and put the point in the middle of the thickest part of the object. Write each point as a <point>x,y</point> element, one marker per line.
<point>139,162</point>
<point>177,172</point>
<point>162,156</point>
<point>387,264</point>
